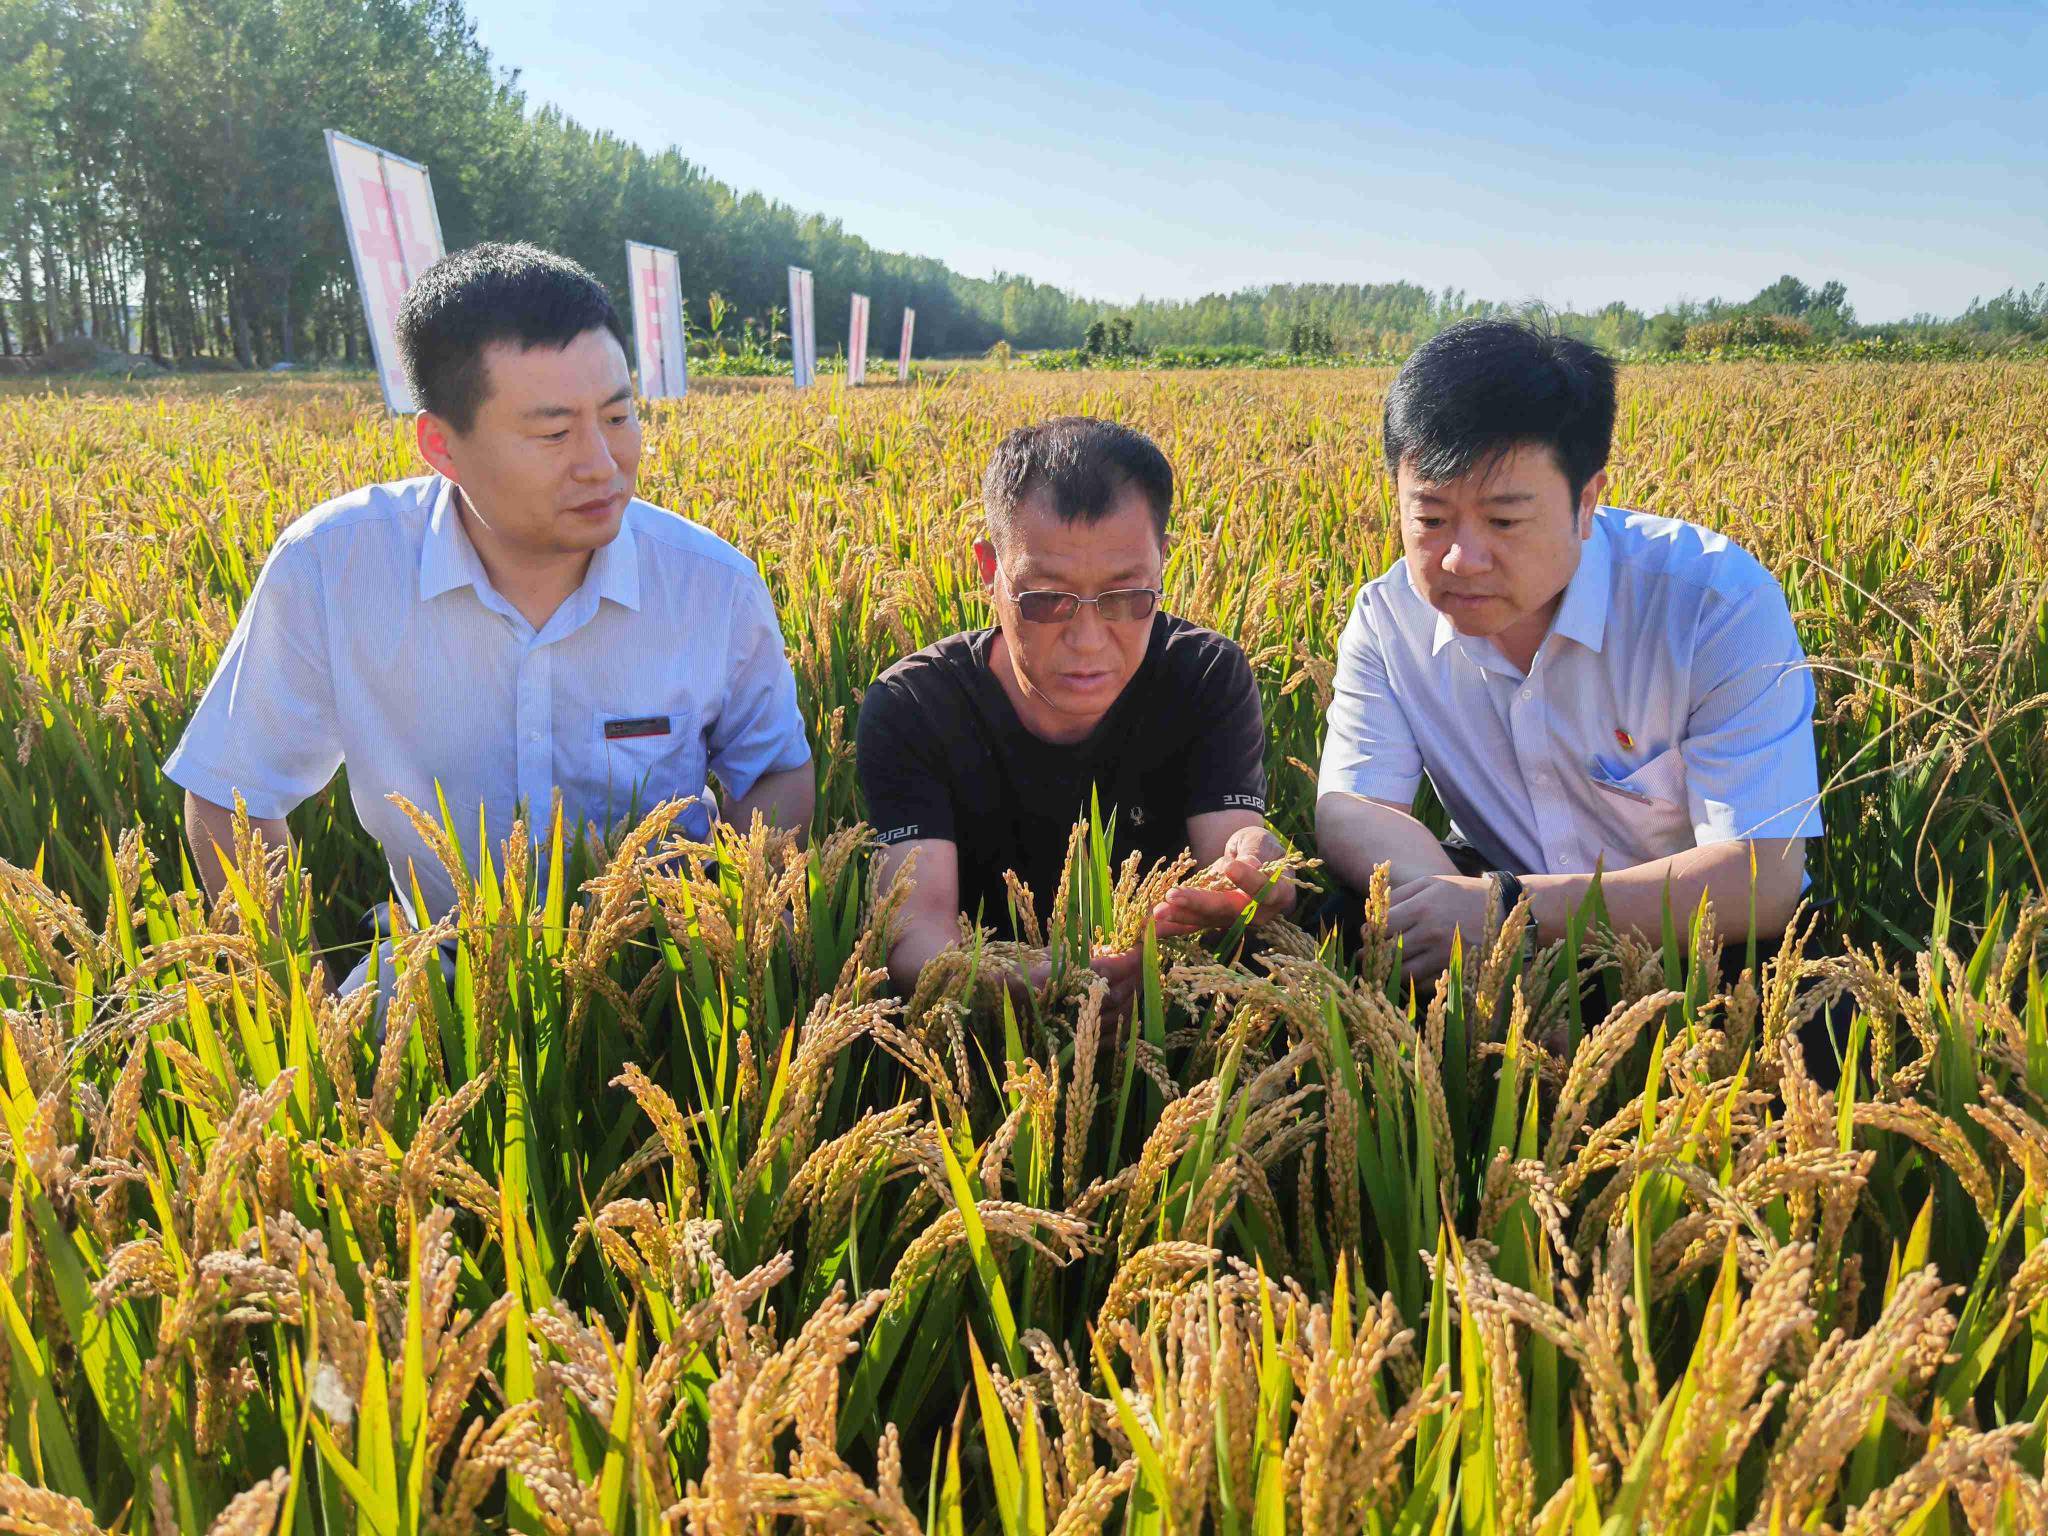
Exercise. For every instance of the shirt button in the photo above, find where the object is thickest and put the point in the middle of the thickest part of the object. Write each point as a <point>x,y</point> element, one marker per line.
<point>1528,692</point>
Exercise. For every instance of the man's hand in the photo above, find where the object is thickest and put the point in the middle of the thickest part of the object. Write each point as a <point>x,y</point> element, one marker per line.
<point>1121,970</point>
<point>1426,912</point>
<point>1201,908</point>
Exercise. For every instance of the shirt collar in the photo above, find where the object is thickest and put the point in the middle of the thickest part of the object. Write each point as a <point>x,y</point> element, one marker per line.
<point>1582,615</point>
<point>448,560</point>
<point>615,569</point>
<point>1445,633</point>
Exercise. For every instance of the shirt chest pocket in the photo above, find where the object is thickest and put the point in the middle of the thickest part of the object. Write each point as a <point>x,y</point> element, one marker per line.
<point>637,761</point>
<point>1646,811</point>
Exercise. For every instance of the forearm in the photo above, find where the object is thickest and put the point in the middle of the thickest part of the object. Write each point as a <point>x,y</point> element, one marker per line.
<point>210,830</point>
<point>1635,897</point>
<point>785,799</point>
<point>920,939</point>
<point>1355,836</point>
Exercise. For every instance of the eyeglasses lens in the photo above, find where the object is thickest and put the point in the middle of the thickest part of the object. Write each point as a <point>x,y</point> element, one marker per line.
<point>1121,607</point>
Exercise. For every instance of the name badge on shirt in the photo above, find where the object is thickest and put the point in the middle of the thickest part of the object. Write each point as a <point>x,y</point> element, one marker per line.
<point>640,725</point>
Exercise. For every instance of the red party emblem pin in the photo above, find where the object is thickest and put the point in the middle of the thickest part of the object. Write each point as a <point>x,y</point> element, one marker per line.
<point>1628,742</point>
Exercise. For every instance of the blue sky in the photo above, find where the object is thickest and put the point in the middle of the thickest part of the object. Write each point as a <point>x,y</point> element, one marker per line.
<point>1570,155</point>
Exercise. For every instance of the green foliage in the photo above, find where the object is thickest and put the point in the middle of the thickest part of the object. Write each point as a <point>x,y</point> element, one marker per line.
<point>1310,338</point>
<point>1110,340</point>
<point>753,352</point>
<point>163,175</point>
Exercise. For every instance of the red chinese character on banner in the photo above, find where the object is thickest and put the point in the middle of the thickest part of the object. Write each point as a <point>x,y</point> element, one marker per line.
<point>390,248</point>
<point>652,309</point>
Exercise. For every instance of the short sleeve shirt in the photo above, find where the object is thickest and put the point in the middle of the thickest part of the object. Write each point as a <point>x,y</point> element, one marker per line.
<point>1670,707</point>
<point>943,756</point>
<point>374,637</point>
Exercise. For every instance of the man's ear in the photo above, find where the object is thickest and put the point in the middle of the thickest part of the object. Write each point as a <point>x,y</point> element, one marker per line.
<point>434,437</point>
<point>985,561</point>
<point>1589,502</point>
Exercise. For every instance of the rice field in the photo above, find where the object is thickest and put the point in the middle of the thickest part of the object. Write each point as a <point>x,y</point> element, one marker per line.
<point>667,1215</point>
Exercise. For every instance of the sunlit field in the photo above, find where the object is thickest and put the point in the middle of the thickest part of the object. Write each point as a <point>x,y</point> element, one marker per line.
<point>668,1214</point>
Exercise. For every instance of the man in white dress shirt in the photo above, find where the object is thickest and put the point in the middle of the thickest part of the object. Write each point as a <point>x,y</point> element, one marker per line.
<point>1586,688</point>
<point>513,623</point>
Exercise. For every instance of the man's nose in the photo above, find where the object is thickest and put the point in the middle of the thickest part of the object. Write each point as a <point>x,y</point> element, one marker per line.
<point>1086,630</point>
<point>594,459</point>
<point>1467,557</point>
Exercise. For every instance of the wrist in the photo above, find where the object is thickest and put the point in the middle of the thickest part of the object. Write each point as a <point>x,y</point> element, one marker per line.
<point>1552,901</point>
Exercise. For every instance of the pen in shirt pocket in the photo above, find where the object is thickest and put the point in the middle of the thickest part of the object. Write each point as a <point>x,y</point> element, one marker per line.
<point>1597,772</point>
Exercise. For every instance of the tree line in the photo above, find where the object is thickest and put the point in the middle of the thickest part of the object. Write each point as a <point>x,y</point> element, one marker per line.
<point>164,188</point>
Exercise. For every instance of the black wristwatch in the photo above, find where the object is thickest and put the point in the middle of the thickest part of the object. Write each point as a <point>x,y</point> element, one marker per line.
<point>1509,884</point>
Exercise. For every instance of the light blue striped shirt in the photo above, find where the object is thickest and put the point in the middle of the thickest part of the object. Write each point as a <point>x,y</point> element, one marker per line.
<point>1669,707</point>
<point>373,637</point>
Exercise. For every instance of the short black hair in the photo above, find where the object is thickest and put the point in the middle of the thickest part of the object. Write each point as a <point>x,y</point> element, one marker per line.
<point>1082,464</point>
<point>496,291</point>
<point>1480,388</point>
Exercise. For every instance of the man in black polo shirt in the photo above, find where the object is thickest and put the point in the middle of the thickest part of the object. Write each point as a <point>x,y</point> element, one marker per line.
<point>978,754</point>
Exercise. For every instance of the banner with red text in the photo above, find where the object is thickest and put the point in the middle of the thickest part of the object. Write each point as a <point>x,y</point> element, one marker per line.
<point>803,333</point>
<point>394,234</point>
<point>658,338</point>
<point>857,341</point>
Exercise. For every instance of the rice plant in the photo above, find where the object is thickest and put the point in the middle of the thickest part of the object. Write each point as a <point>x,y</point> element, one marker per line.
<point>664,1214</point>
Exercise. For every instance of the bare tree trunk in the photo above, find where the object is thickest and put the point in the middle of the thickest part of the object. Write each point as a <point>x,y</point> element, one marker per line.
<point>53,293</point>
<point>30,340</point>
<point>81,324</point>
<point>238,321</point>
<point>152,334</point>
<point>123,280</point>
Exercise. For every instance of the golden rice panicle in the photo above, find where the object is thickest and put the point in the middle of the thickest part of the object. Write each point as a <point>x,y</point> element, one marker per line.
<point>1978,1467</point>
<point>1344,1455</point>
<point>1731,1399</point>
<point>1826,1413</point>
<point>1081,1093</point>
<point>36,1511</point>
<point>1593,1064</point>
<point>253,1512</point>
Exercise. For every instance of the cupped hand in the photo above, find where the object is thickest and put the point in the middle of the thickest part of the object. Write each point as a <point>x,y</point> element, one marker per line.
<point>1234,882</point>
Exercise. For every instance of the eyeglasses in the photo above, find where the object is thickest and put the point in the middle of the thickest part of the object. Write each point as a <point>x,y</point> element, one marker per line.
<point>1123,606</point>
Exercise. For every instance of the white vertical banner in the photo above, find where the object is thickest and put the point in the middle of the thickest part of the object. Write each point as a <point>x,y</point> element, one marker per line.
<point>803,332</point>
<point>857,341</point>
<point>657,283</point>
<point>394,234</point>
<point>903,351</point>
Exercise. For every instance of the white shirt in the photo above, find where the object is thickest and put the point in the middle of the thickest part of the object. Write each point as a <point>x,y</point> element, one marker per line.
<point>1669,707</point>
<point>373,637</point>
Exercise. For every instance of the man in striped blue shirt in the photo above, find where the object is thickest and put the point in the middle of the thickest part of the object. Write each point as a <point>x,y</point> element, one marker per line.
<point>1586,688</point>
